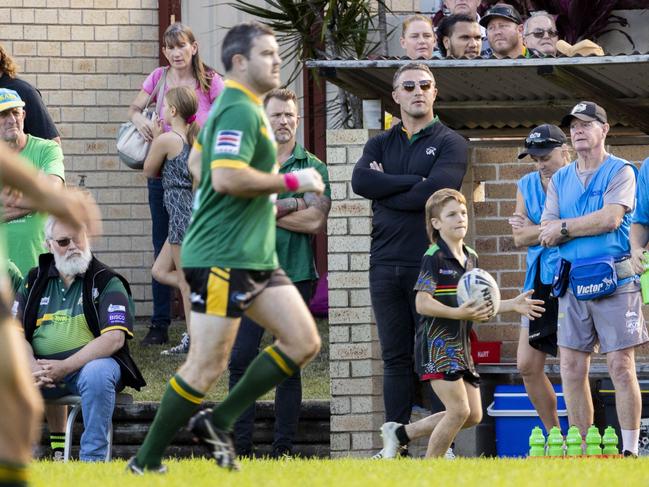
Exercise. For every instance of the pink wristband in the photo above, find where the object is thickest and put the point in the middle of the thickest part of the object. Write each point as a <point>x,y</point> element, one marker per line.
<point>291,181</point>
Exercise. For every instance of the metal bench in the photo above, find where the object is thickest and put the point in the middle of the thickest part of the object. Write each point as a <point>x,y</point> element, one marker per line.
<point>74,403</point>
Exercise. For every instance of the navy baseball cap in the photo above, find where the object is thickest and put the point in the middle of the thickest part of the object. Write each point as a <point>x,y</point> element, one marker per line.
<point>503,10</point>
<point>542,140</point>
<point>587,111</point>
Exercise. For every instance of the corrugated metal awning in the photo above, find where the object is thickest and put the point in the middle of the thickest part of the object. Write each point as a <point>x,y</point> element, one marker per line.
<point>506,97</point>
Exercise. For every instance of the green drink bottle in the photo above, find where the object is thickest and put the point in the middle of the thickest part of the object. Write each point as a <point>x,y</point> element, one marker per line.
<point>593,441</point>
<point>573,440</point>
<point>555,443</point>
<point>537,443</point>
<point>610,441</point>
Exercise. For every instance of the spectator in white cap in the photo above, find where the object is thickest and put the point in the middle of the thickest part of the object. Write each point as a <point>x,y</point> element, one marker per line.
<point>587,216</point>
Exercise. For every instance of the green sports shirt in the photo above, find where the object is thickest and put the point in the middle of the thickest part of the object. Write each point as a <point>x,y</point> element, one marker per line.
<point>25,235</point>
<point>229,231</point>
<point>61,326</point>
<point>294,249</point>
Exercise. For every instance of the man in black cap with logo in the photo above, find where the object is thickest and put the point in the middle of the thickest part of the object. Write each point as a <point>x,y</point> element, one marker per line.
<point>504,31</point>
<point>587,217</point>
<point>546,145</point>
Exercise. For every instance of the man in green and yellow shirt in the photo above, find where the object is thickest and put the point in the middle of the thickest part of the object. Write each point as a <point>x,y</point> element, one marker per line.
<point>299,217</point>
<point>229,258</point>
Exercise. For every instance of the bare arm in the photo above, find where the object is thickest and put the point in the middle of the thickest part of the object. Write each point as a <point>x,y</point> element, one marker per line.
<point>246,182</point>
<point>525,232</point>
<point>523,304</point>
<point>16,204</point>
<point>427,305</point>
<point>639,239</point>
<point>142,123</point>
<point>161,147</point>
<point>311,219</point>
<point>604,220</point>
<point>194,163</point>
<point>74,207</point>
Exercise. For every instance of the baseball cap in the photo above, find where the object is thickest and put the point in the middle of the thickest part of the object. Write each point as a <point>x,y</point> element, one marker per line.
<point>542,140</point>
<point>9,99</point>
<point>587,111</point>
<point>501,10</point>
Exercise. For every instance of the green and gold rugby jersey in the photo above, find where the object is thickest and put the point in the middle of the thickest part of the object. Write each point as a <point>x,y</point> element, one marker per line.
<point>61,327</point>
<point>229,231</point>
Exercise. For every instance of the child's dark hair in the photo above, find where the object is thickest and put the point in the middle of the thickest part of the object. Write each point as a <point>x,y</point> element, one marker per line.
<point>184,100</point>
<point>434,207</point>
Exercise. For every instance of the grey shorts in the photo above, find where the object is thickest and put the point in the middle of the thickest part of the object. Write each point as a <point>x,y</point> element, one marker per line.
<point>615,321</point>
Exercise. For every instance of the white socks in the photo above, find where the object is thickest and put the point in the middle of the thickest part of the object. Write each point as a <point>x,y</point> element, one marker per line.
<point>630,440</point>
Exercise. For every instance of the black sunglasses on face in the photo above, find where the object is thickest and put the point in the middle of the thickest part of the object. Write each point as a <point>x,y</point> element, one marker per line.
<point>542,142</point>
<point>424,84</point>
<point>539,34</point>
<point>64,242</point>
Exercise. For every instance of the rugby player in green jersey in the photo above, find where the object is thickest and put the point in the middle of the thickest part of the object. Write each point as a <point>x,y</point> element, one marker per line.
<point>229,258</point>
<point>22,405</point>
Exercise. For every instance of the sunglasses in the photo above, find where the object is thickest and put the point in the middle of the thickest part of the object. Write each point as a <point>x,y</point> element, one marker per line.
<point>424,84</point>
<point>539,34</point>
<point>63,242</point>
<point>542,142</point>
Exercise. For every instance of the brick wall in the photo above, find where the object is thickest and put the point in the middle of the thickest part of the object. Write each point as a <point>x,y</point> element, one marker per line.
<point>89,58</point>
<point>356,382</point>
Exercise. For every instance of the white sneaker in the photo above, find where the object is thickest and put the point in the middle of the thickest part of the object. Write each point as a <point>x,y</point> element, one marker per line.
<point>378,456</point>
<point>450,454</point>
<point>391,445</point>
<point>181,348</point>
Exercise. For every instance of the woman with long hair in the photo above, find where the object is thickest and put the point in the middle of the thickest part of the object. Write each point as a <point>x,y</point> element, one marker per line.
<point>185,69</point>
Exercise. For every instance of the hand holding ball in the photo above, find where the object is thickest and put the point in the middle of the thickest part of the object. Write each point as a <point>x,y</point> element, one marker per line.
<point>477,284</point>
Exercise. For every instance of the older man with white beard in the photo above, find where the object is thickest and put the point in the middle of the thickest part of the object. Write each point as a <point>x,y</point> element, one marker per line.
<point>77,313</point>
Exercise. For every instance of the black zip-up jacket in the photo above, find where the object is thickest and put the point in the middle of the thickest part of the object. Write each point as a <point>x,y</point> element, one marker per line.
<point>413,169</point>
<point>95,279</point>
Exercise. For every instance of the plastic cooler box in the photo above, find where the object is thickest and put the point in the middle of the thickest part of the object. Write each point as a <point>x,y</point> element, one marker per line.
<point>515,417</point>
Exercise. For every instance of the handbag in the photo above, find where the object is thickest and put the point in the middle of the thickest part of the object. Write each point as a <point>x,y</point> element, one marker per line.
<point>131,146</point>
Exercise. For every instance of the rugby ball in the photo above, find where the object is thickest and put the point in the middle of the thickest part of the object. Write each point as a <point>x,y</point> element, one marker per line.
<point>479,285</point>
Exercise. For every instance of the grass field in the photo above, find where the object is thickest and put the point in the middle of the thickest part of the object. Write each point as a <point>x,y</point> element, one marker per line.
<point>349,472</point>
<point>158,369</point>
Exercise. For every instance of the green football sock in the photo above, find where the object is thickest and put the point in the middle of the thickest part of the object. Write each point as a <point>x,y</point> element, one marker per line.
<point>57,441</point>
<point>178,404</point>
<point>13,474</point>
<point>268,369</point>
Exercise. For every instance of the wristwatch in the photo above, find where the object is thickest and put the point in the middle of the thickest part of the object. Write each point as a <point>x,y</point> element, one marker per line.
<point>564,229</point>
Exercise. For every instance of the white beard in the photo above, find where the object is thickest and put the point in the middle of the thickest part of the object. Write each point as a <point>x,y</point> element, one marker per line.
<point>73,265</point>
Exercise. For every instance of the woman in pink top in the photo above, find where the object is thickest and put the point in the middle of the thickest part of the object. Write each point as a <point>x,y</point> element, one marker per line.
<point>185,69</point>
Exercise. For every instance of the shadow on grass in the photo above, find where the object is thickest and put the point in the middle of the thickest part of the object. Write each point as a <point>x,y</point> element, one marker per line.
<point>158,369</point>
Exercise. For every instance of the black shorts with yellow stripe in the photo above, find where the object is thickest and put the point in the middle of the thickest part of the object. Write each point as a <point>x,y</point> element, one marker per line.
<point>229,292</point>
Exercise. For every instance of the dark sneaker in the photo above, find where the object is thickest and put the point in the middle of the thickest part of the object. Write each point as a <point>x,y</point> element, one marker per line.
<point>218,442</point>
<point>629,454</point>
<point>134,468</point>
<point>155,336</point>
<point>181,348</point>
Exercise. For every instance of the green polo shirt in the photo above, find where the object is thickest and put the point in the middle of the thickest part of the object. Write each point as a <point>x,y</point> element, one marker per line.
<point>294,250</point>
<point>25,235</point>
<point>61,327</point>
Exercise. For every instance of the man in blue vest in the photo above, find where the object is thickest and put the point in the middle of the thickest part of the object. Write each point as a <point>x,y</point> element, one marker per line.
<point>588,216</point>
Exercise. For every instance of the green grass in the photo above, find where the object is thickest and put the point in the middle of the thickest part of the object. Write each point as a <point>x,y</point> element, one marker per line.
<point>158,369</point>
<point>350,472</point>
